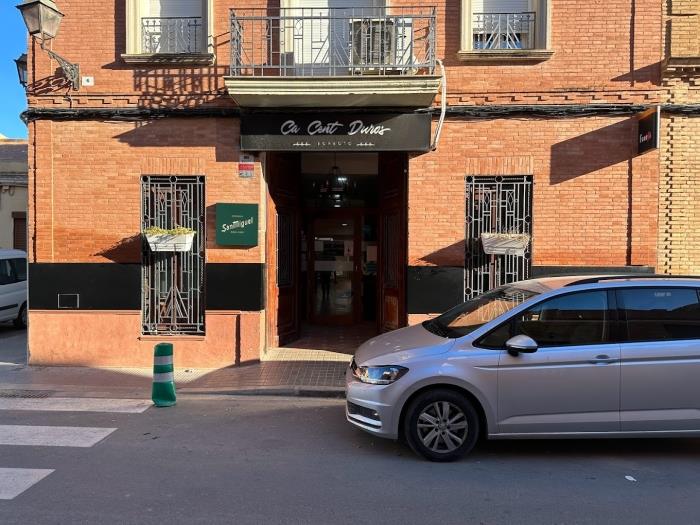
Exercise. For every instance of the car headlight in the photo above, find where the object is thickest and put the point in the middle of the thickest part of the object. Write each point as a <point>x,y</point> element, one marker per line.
<point>379,375</point>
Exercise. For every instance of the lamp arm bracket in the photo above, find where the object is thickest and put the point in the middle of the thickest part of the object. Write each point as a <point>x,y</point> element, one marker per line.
<point>70,70</point>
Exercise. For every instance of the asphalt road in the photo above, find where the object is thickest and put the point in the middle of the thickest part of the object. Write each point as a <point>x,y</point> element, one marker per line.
<point>260,460</point>
<point>13,345</point>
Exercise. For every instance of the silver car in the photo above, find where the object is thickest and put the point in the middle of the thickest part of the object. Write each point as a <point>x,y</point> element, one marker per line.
<point>545,358</point>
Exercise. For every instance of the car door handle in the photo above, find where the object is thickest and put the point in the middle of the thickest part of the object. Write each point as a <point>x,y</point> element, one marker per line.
<point>602,359</point>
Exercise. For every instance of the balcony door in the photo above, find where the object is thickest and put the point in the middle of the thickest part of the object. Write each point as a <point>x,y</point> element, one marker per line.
<point>329,38</point>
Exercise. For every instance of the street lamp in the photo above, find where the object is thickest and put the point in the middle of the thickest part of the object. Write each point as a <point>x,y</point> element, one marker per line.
<point>43,19</point>
<point>21,63</point>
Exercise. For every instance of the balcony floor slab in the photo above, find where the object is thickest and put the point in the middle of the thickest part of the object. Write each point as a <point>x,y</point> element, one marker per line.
<point>342,91</point>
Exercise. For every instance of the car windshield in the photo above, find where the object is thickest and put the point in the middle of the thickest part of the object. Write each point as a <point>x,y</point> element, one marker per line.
<point>470,315</point>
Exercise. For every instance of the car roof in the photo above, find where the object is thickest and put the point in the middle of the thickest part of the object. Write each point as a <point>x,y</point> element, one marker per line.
<point>544,284</point>
<point>11,254</point>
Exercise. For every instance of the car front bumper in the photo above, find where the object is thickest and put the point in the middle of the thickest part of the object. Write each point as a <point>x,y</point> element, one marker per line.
<point>370,407</point>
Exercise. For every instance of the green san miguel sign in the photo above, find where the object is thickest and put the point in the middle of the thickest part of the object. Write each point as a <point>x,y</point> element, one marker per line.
<point>236,224</point>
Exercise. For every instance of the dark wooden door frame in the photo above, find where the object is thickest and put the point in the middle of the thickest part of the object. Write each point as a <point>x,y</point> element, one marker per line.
<point>393,207</point>
<point>282,196</point>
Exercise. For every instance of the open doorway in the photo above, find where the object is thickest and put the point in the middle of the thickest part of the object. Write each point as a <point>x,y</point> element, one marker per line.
<point>336,248</point>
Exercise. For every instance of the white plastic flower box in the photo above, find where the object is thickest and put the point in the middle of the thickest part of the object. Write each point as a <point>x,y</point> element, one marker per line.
<point>168,242</point>
<point>505,243</point>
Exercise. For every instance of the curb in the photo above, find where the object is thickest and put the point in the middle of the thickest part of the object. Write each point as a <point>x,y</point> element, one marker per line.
<point>284,391</point>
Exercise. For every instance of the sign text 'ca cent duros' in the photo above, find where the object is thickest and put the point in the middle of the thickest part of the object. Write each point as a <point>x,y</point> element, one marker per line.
<point>336,132</point>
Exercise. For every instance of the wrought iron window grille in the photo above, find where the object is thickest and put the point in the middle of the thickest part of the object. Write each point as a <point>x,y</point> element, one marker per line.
<point>499,31</point>
<point>173,300</point>
<point>501,205</point>
<point>171,35</point>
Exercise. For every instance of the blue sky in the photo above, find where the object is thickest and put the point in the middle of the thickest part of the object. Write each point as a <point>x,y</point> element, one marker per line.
<point>13,42</point>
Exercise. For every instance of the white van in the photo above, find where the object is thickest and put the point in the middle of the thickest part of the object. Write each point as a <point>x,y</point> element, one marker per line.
<point>13,287</point>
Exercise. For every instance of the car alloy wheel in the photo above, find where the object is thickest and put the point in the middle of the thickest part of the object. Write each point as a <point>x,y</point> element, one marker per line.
<point>441,425</point>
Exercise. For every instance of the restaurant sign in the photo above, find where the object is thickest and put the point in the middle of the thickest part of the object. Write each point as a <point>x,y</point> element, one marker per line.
<point>335,132</point>
<point>648,131</point>
<point>236,224</point>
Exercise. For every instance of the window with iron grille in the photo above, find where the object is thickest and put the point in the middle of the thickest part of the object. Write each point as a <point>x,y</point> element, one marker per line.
<point>173,282</point>
<point>497,205</point>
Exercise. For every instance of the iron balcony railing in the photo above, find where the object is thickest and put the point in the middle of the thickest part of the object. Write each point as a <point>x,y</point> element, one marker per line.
<point>334,41</point>
<point>503,31</point>
<point>171,35</point>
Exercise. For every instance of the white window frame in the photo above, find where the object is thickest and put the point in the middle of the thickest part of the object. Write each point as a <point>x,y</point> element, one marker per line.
<point>542,9</point>
<point>134,11</point>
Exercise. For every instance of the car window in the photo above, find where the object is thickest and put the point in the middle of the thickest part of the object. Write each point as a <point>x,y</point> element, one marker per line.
<point>496,338</point>
<point>470,315</point>
<point>20,268</point>
<point>660,314</point>
<point>573,319</point>
<point>6,275</point>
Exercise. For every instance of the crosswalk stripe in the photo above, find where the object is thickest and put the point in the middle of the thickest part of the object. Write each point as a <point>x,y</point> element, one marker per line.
<point>47,436</point>
<point>75,404</point>
<point>14,481</point>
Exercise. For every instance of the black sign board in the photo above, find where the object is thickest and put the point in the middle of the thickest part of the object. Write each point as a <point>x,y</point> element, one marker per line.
<point>648,132</point>
<point>335,132</point>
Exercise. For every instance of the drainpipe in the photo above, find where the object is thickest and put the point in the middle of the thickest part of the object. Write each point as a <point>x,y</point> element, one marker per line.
<point>443,104</point>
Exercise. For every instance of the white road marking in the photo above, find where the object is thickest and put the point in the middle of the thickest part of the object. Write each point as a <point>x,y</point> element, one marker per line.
<point>76,404</point>
<point>14,481</point>
<point>52,436</point>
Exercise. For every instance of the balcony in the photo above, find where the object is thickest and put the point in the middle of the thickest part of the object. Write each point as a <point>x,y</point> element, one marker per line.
<point>339,56</point>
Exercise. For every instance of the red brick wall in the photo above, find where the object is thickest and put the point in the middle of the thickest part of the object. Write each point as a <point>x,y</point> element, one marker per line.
<point>89,189</point>
<point>607,52</point>
<point>581,167</point>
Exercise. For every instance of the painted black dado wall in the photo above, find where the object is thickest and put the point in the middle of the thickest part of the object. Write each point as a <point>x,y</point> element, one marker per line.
<point>434,289</point>
<point>114,286</point>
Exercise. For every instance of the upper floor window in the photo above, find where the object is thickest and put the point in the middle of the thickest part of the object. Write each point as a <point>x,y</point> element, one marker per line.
<point>167,27</point>
<point>172,26</point>
<point>503,27</point>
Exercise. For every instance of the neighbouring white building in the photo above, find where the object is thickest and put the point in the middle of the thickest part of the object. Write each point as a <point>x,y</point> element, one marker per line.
<point>13,193</point>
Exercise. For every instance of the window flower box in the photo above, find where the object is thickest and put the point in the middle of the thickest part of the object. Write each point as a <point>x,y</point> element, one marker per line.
<point>176,240</point>
<point>505,243</point>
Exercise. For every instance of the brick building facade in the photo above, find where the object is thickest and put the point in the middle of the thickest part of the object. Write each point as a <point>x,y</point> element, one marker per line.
<point>679,191</point>
<point>539,138</point>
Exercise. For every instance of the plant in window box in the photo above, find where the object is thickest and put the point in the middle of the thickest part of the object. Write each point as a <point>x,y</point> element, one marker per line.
<point>505,243</point>
<point>174,240</point>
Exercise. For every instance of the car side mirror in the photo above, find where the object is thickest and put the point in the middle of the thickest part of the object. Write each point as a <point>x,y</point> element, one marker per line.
<point>521,344</point>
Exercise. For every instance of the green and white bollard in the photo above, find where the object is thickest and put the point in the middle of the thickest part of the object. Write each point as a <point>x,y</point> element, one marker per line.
<point>163,393</point>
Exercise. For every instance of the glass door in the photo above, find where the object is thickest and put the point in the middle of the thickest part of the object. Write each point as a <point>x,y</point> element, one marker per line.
<point>332,248</point>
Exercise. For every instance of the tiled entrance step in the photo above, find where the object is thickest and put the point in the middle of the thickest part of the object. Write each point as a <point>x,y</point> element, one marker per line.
<point>281,377</point>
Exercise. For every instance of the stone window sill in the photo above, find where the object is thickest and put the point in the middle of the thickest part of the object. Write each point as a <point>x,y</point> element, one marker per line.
<point>172,337</point>
<point>204,59</point>
<point>505,55</point>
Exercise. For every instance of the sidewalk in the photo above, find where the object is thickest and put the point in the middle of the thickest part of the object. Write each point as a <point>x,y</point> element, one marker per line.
<point>289,378</point>
<point>313,367</point>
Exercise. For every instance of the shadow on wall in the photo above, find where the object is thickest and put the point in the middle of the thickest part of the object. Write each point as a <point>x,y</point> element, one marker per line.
<point>452,255</point>
<point>647,74</point>
<point>170,132</point>
<point>593,151</point>
<point>127,250</point>
<point>44,86</point>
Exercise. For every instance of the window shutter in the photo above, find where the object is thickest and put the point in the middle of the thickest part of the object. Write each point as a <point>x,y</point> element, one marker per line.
<point>19,234</point>
<point>500,6</point>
